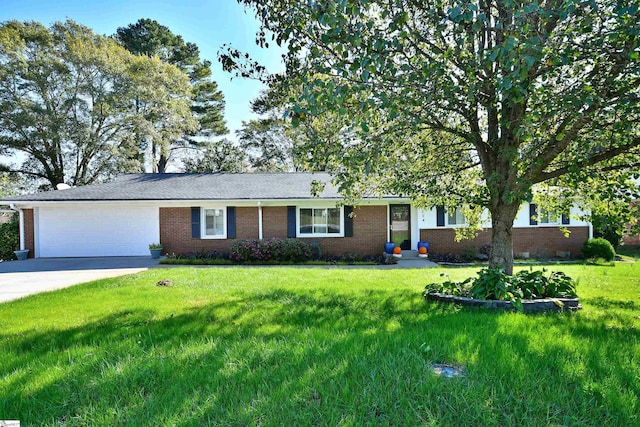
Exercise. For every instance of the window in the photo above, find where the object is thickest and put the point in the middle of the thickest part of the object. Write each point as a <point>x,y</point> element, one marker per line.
<point>320,222</point>
<point>213,223</point>
<point>456,218</point>
<point>548,217</point>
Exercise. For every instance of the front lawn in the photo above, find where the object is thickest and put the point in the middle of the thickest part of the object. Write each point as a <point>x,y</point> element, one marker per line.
<point>286,346</point>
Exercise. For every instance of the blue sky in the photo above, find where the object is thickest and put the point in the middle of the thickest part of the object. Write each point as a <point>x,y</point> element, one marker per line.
<point>207,23</point>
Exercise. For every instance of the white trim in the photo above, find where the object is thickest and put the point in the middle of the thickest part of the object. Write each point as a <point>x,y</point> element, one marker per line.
<point>415,230</point>
<point>388,222</point>
<point>21,228</point>
<point>319,235</point>
<point>203,223</point>
<point>36,232</point>
<point>13,208</point>
<point>200,202</point>
<point>260,234</point>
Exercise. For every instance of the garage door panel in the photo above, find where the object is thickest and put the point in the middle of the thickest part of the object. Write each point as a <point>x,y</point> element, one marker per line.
<point>96,231</point>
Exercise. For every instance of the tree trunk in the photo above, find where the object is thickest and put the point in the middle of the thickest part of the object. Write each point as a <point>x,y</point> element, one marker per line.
<point>502,217</point>
<point>162,163</point>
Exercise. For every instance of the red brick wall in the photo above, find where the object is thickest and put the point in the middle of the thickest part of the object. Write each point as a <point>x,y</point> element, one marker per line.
<point>369,234</point>
<point>369,231</point>
<point>175,231</point>
<point>274,222</point>
<point>535,240</point>
<point>631,240</point>
<point>28,232</point>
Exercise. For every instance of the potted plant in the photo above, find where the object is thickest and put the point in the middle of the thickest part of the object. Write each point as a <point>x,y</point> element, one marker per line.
<point>22,254</point>
<point>155,249</point>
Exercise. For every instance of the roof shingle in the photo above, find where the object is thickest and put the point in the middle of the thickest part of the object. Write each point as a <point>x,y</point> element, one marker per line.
<point>187,186</point>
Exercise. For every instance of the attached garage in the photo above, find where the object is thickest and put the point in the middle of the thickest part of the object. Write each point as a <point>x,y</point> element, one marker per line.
<point>95,231</point>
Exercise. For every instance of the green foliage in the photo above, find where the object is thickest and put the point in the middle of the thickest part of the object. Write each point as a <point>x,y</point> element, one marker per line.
<point>219,156</point>
<point>9,238</point>
<point>495,284</point>
<point>266,144</point>
<point>598,248</point>
<point>459,103</point>
<point>149,38</point>
<point>66,96</point>
<point>246,251</point>
<point>609,227</point>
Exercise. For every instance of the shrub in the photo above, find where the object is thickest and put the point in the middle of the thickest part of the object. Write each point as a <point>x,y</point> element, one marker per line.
<point>449,258</point>
<point>598,248</point>
<point>609,227</point>
<point>203,254</point>
<point>291,250</point>
<point>485,249</point>
<point>495,284</point>
<point>468,253</point>
<point>9,238</point>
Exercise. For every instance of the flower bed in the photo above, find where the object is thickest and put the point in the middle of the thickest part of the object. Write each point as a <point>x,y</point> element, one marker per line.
<point>528,305</point>
<point>527,291</point>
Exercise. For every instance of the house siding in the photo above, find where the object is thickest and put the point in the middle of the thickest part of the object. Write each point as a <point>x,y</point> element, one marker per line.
<point>274,222</point>
<point>175,231</point>
<point>369,231</point>
<point>29,234</point>
<point>535,240</point>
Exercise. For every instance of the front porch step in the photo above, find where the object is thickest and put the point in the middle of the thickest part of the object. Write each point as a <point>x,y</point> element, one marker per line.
<point>406,254</point>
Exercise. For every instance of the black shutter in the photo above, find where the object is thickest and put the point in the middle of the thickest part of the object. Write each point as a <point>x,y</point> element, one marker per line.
<point>231,222</point>
<point>291,222</point>
<point>348,221</point>
<point>440,216</point>
<point>565,219</point>
<point>533,214</point>
<point>195,223</point>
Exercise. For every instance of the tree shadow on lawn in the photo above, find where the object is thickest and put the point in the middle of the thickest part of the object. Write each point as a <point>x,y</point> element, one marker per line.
<point>606,303</point>
<point>285,357</point>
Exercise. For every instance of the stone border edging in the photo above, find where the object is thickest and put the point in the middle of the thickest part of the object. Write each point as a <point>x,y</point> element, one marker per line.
<point>528,305</point>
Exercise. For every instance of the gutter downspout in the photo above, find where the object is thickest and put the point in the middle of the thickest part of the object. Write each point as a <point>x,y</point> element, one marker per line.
<point>259,219</point>
<point>20,223</point>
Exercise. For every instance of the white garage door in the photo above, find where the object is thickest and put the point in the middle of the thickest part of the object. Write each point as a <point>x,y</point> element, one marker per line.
<point>107,230</point>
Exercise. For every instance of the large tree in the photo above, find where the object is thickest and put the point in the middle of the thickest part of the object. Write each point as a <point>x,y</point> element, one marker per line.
<point>272,143</point>
<point>65,101</point>
<point>266,144</point>
<point>217,156</point>
<point>464,102</point>
<point>149,38</point>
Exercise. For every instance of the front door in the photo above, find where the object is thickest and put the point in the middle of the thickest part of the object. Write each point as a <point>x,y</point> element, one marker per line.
<point>400,217</point>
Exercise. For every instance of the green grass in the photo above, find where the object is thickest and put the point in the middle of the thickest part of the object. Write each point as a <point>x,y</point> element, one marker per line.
<point>222,261</point>
<point>285,346</point>
<point>629,253</point>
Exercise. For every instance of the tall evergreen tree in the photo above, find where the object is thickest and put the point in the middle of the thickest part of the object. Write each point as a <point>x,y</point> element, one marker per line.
<point>150,38</point>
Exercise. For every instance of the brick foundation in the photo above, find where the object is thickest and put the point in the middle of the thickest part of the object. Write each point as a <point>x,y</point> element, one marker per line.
<point>29,241</point>
<point>538,241</point>
<point>369,231</point>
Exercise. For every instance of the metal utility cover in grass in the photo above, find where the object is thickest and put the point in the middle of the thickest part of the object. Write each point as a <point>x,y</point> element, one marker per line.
<point>449,371</point>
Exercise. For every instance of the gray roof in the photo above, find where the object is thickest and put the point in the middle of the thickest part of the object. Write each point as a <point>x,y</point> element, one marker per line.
<point>187,186</point>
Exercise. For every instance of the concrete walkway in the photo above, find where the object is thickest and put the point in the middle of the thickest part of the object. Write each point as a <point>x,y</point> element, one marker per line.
<point>22,278</point>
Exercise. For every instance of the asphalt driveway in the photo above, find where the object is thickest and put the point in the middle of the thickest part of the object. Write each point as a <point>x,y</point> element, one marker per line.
<point>21,278</point>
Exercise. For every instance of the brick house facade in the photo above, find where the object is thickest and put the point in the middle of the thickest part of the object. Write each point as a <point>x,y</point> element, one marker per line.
<point>206,212</point>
